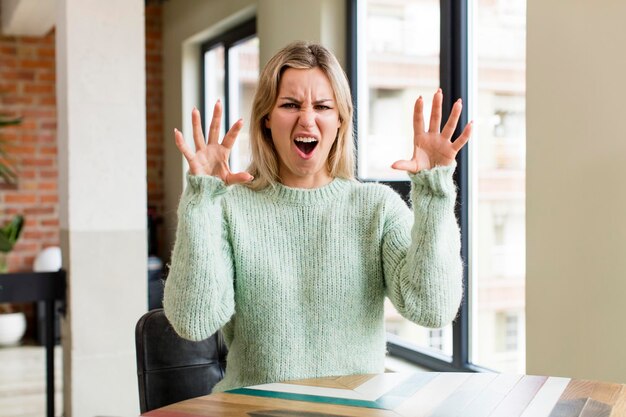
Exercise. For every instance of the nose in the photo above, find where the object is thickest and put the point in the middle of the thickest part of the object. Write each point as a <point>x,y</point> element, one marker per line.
<point>307,118</point>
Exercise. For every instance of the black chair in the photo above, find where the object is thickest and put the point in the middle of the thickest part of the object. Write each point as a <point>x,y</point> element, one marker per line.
<point>172,369</point>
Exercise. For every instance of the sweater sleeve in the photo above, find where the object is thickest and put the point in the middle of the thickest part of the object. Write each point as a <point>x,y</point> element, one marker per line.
<point>199,290</point>
<point>423,269</point>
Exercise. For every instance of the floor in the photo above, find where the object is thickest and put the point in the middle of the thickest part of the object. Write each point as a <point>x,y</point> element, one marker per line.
<point>23,381</point>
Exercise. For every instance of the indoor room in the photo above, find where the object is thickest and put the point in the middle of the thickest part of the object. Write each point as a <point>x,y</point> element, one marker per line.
<point>101,110</point>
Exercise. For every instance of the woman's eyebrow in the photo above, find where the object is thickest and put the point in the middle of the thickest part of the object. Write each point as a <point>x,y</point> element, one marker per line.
<point>322,100</point>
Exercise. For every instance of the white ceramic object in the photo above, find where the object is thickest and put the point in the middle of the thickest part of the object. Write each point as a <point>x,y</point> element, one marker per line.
<point>12,328</point>
<point>48,260</point>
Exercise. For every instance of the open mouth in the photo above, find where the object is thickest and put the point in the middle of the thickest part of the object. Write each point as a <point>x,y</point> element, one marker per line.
<point>306,145</point>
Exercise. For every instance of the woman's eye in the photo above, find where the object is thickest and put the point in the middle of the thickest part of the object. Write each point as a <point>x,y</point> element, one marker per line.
<point>289,106</point>
<point>322,107</point>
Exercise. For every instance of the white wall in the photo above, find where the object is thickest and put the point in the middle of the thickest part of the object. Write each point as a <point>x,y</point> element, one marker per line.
<point>187,23</point>
<point>280,22</point>
<point>576,196</point>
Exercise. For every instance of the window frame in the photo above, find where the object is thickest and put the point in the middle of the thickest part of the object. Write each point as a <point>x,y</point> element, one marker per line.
<point>227,39</point>
<point>454,81</point>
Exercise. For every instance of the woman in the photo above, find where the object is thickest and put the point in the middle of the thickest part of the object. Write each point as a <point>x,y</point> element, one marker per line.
<point>293,258</point>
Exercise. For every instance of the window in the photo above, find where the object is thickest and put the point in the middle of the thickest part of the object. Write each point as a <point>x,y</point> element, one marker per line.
<point>511,332</point>
<point>395,71</point>
<point>400,49</point>
<point>436,339</point>
<point>497,171</point>
<point>230,71</point>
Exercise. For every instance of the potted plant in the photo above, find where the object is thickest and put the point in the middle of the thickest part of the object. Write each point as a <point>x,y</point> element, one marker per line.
<point>9,234</point>
<point>12,321</point>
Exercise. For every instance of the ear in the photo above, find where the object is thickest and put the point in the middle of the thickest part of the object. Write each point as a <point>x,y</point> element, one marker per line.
<point>267,122</point>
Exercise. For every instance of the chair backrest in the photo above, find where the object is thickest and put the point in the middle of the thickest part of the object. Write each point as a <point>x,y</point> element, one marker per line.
<point>172,369</point>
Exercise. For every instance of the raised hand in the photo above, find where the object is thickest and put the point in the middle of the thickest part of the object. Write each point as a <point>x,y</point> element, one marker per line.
<point>211,158</point>
<point>433,148</point>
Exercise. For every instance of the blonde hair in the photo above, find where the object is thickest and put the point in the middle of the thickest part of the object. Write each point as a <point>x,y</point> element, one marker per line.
<point>299,55</point>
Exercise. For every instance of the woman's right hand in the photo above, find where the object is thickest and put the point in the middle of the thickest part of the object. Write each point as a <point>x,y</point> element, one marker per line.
<point>211,158</point>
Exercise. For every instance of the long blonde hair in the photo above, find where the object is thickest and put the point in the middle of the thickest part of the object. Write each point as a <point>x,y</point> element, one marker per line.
<point>299,55</point>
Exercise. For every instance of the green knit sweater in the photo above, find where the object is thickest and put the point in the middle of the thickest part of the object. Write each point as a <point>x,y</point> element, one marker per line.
<point>296,278</point>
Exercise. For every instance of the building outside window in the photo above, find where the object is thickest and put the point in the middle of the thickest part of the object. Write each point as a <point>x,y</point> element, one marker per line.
<point>498,153</point>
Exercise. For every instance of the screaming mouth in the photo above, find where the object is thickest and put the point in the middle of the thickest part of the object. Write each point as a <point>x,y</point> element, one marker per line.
<point>306,145</point>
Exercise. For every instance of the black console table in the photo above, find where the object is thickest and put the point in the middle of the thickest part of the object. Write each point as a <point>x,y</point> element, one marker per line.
<point>48,287</point>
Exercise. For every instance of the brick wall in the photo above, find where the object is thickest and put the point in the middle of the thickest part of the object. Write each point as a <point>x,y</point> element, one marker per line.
<point>154,121</point>
<point>27,89</point>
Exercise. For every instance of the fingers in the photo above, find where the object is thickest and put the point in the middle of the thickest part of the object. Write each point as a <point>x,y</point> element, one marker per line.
<point>231,135</point>
<point>435,113</point>
<point>216,123</point>
<point>196,123</point>
<point>418,116</point>
<point>448,129</point>
<point>403,165</point>
<point>182,145</point>
<point>463,138</point>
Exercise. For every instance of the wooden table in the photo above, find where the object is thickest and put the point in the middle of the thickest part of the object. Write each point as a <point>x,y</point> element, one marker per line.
<point>424,394</point>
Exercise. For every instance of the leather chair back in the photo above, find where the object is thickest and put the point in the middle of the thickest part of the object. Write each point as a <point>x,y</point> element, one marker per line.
<point>172,369</point>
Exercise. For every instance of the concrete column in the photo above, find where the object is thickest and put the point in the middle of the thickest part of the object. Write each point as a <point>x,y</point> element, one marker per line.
<point>102,190</point>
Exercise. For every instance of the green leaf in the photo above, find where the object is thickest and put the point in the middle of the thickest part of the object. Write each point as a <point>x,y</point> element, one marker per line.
<point>7,174</point>
<point>10,233</point>
<point>10,122</point>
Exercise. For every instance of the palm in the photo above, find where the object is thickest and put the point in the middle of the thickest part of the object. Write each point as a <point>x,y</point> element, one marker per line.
<point>434,148</point>
<point>211,158</point>
<point>431,151</point>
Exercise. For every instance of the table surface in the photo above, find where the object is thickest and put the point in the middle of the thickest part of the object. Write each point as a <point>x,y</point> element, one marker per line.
<point>422,394</point>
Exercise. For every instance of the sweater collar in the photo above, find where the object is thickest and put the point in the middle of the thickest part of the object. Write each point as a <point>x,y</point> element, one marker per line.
<point>307,196</point>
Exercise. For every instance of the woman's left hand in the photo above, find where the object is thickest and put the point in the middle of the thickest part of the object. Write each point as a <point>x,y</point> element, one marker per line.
<point>433,148</point>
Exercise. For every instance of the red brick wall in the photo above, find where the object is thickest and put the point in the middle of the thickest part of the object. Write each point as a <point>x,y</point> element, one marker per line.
<point>154,118</point>
<point>27,89</point>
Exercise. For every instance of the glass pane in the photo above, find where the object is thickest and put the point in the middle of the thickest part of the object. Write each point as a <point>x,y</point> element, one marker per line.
<point>243,63</point>
<point>437,340</point>
<point>498,151</point>
<point>399,62</point>
<point>213,83</point>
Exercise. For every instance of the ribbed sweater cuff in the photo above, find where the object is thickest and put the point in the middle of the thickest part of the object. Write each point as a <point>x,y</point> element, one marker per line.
<point>206,185</point>
<point>437,181</point>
